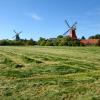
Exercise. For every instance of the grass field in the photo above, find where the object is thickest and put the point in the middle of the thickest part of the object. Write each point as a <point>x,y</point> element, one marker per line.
<point>49,73</point>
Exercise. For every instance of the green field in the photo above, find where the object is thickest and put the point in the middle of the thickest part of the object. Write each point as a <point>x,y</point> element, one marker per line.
<point>49,73</point>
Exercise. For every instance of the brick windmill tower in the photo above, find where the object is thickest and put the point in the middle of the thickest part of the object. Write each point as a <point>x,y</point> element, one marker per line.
<point>71,30</point>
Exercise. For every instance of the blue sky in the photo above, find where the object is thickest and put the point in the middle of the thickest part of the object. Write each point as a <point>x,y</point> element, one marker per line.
<point>45,18</point>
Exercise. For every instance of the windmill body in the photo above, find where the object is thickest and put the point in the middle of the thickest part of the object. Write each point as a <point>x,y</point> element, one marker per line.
<point>72,34</point>
<point>17,37</point>
<point>71,31</point>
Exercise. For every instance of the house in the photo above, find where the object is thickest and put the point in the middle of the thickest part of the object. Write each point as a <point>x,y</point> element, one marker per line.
<point>90,41</point>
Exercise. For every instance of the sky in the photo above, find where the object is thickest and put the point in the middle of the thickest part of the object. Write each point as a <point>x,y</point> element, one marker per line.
<point>45,18</point>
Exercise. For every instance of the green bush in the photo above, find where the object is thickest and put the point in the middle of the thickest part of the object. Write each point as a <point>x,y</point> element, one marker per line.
<point>16,43</point>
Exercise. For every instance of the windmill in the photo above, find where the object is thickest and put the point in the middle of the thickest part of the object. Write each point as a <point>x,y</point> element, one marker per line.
<point>71,30</point>
<point>17,37</point>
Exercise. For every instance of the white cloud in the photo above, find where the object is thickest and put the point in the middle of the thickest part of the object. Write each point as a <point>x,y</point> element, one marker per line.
<point>34,16</point>
<point>94,12</point>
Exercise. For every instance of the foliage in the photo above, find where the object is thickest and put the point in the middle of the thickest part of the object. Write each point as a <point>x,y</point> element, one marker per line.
<point>59,41</point>
<point>41,41</point>
<point>97,36</point>
<point>59,36</point>
<point>17,43</point>
<point>30,42</point>
<point>49,43</point>
<point>83,37</point>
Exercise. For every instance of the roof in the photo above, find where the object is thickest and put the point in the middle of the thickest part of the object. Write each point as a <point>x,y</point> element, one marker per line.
<point>90,41</point>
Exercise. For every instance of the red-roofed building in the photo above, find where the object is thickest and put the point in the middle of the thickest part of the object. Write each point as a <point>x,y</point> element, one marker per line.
<point>90,41</point>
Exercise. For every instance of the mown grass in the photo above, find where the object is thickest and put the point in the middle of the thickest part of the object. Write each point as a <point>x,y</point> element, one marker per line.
<point>49,73</point>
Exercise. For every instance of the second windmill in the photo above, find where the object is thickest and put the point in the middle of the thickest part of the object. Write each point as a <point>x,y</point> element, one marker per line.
<point>17,37</point>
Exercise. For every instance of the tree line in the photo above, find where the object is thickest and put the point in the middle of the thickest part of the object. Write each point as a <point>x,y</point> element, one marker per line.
<point>58,41</point>
<point>21,42</point>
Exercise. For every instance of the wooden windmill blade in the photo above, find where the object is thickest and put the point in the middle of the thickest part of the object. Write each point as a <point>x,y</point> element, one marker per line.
<point>14,31</point>
<point>66,32</point>
<point>67,23</point>
<point>17,32</point>
<point>20,32</point>
<point>14,36</point>
<point>74,25</point>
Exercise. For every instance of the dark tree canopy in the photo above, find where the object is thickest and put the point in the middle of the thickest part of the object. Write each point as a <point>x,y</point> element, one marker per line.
<point>83,37</point>
<point>97,36</point>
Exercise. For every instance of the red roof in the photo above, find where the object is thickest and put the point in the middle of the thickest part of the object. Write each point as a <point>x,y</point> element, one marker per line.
<point>90,41</point>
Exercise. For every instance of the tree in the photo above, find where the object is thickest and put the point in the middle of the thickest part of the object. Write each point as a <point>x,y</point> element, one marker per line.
<point>60,36</point>
<point>82,37</point>
<point>41,41</point>
<point>97,36</point>
<point>70,43</point>
<point>55,42</point>
<point>49,43</point>
<point>63,42</point>
<point>30,42</point>
<point>76,43</point>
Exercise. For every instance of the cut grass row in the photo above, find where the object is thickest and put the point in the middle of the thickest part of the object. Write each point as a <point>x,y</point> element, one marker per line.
<point>50,73</point>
